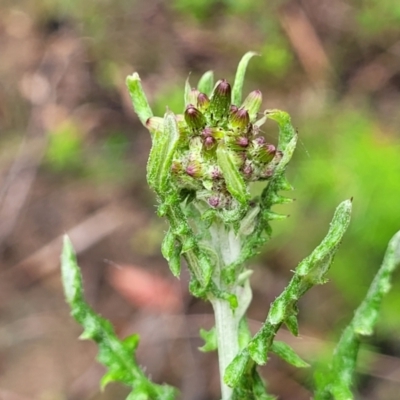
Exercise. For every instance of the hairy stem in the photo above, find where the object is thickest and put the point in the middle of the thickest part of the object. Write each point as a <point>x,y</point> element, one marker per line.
<point>227,327</point>
<point>228,246</point>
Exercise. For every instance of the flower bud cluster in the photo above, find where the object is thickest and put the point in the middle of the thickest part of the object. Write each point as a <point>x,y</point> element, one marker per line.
<point>210,122</point>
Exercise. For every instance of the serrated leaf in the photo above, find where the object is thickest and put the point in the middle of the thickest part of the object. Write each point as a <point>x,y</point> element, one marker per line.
<point>336,379</point>
<point>115,354</point>
<point>139,99</point>
<point>284,351</point>
<point>309,272</point>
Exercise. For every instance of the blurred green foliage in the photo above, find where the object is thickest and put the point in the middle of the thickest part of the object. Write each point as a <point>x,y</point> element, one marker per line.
<point>64,150</point>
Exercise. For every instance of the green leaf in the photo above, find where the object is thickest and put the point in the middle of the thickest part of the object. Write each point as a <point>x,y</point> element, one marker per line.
<point>206,83</point>
<point>234,181</point>
<point>237,368</point>
<point>210,338</point>
<point>171,250</point>
<point>239,78</point>
<point>292,324</point>
<point>336,379</point>
<point>311,271</point>
<point>285,352</point>
<point>139,99</point>
<point>161,154</point>
<point>115,354</point>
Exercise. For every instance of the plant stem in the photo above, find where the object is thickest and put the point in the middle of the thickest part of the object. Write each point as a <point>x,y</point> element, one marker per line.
<point>227,335</point>
<point>228,247</point>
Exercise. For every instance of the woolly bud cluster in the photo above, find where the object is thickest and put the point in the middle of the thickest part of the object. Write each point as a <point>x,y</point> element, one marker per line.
<point>220,150</point>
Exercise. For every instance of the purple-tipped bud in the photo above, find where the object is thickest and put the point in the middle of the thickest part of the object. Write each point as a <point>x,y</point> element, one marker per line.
<point>216,173</point>
<point>194,169</point>
<point>252,104</point>
<point>247,169</point>
<point>155,124</point>
<point>176,167</point>
<point>194,118</point>
<point>239,119</point>
<point>233,108</point>
<point>267,153</point>
<point>259,140</point>
<point>207,132</point>
<point>203,102</point>
<point>242,141</point>
<point>213,201</point>
<point>220,100</point>
<point>209,142</point>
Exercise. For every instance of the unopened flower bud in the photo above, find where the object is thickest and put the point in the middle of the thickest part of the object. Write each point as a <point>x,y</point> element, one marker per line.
<point>252,104</point>
<point>220,100</point>
<point>209,142</point>
<point>213,201</point>
<point>239,119</point>
<point>155,124</point>
<point>194,169</point>
<point>207,132</point>
<point>216,173</point>
<point>233,108</point>
<point>194,118</point>
<point>247,169</point>
<point>203,102</point>
<point>259,140</point>
<point>267,153</point>
<point>176,167</point>
<point>242,141</point>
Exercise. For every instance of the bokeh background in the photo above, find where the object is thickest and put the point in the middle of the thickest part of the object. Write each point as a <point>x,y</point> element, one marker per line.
<point>73,158</point>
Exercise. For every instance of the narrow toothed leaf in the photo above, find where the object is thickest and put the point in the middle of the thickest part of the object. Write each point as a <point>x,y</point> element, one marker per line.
<point>311,271</point>
<point>139,99</point>
<point>234,181</point>
<point>239,78</point>
<point>285,352</point>
<point>161,154</point>
<point>336,379</point>
<point>206,83</point>
<point>118,356</point>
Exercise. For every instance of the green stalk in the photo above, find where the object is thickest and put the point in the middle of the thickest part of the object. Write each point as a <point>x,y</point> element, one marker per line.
<point>228,247</point>
<point>227,328</point>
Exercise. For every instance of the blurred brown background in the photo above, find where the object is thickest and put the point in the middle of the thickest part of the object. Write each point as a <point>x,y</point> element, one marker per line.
<point>73,158</point>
